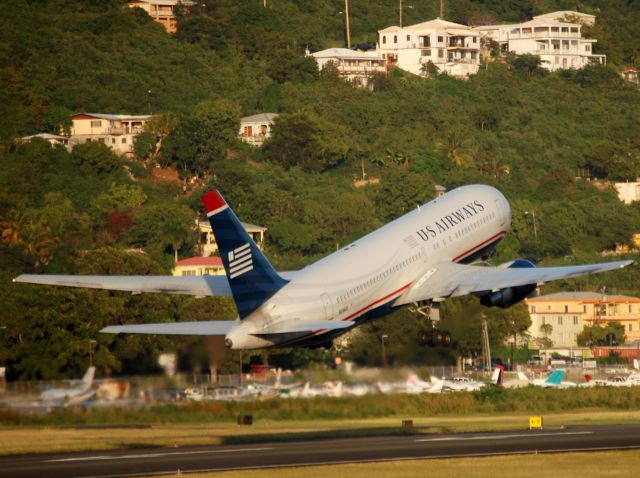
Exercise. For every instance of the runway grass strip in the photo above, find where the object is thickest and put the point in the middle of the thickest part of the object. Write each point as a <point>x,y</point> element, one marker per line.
<point>20,440</point>
<point>614,464</point>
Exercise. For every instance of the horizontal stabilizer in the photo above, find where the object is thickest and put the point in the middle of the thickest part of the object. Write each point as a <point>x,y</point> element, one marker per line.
<point>213,327</point>
<point>293,326</point>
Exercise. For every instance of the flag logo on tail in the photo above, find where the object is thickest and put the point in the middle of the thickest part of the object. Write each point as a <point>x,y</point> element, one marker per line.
<point>240,261</point>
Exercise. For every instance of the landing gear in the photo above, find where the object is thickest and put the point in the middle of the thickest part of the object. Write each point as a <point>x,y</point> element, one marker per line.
<point>434,338</point>
<point>430,335</point>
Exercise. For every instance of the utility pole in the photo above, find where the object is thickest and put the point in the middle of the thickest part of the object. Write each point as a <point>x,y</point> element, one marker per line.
<point>346,18</point>
<point>400,13</point>
<point>486,351</point>
<point>441,8</point>
<point>383,339</point>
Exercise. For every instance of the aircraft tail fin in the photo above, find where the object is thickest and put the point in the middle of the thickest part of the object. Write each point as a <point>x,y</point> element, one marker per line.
<point>587,377</point>
<point>252,279</point>
<point>497,377</point>
<point>87,379</point>
<point>636,364</point>
<point>555,378</point>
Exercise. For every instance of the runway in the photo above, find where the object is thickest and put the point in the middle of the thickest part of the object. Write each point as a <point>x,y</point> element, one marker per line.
<point>156,461</point>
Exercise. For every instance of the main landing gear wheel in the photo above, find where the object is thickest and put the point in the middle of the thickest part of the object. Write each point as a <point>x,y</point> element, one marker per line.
<point>434,338</point>
<point>430,335</point>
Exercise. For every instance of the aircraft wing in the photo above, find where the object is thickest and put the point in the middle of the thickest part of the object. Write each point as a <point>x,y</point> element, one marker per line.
<point>449,279</point>
<point>217,286</point>
<point>187,285</point>
<point>204,327</point>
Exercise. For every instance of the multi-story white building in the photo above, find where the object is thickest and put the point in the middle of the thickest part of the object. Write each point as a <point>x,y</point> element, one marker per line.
<point>558,44</point>
<point>116,131</point>
<point>569,312</point>
<point>453,48</point>
<point>355,66</point>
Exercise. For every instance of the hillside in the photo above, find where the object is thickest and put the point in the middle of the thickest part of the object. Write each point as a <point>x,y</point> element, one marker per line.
<point>537,137</point>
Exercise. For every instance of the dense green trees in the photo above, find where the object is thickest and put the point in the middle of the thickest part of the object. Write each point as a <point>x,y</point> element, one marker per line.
<point>539,138</point>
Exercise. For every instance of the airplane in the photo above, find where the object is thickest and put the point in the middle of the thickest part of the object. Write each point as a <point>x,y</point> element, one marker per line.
<point>415,385</point>
<point>555,380</point>
<point>71,396</point>
<point>465,384</point>
<point>421,258</point>
<point>520,381</point>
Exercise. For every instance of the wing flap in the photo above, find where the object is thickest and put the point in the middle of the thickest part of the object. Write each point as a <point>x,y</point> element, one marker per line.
<point>452,280</point>
<point>213,327</point>
<point>293,326</point>
<point>186,285</point>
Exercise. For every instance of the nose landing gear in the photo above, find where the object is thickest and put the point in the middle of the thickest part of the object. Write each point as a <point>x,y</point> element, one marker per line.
<point>429,335</point>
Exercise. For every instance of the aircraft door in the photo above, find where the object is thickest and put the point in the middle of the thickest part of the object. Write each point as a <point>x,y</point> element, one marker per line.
<point>328,306</point>
<point>499,206</point>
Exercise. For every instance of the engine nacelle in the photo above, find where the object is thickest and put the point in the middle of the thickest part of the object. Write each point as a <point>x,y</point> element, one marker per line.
<point>509,295</point>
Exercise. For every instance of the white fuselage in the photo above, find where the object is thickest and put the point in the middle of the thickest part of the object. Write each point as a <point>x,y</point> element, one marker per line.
<point>376,270</point>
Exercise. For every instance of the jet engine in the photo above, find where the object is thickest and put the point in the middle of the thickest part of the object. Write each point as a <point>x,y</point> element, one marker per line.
<point>509,295</point>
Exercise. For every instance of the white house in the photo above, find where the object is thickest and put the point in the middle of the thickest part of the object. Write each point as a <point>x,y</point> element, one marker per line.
<point>453,48</point>
<point>558,44</point>
<point>628,192</point>
<point>207,244</point>
<point>53,139</point>
<point>199,266</point>
<point>352,65</point>
<point>256,128</point>
<point>116,131</point>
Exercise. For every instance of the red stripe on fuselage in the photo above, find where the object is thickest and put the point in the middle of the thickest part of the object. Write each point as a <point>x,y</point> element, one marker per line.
<point>456,259</point>
<point>355,314</point>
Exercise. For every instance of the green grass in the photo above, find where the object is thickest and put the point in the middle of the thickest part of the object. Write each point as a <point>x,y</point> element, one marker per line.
<point>490,400</point>
<point>612,464</point>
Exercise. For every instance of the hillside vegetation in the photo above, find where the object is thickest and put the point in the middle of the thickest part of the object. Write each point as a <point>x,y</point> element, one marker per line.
<point>536,136</point>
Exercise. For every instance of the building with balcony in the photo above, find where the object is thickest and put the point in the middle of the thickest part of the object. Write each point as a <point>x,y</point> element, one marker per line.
<point>569,312</point>
<point>162,11</point>
<point>116,131</point>
<point>558,44</point>
<point>199,266</point>
<point>207,241</point>
<point>453,48</point>
<point>354,66</point>
<point>256,128</point>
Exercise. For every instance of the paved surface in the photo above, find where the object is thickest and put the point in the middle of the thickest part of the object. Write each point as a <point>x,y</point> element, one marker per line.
<point>169,460</point>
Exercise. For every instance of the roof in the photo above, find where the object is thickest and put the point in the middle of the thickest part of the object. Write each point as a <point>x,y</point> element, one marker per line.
<point>113,117</point>
<point>582,297</point>
<point>165,2</point>
<point>210,261</point>
<point>564,13</point>
<point>437,23</point>
<point>347,54</point>
<point>46,136</point>
<point>248,227</point>
<point>259,118</point>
